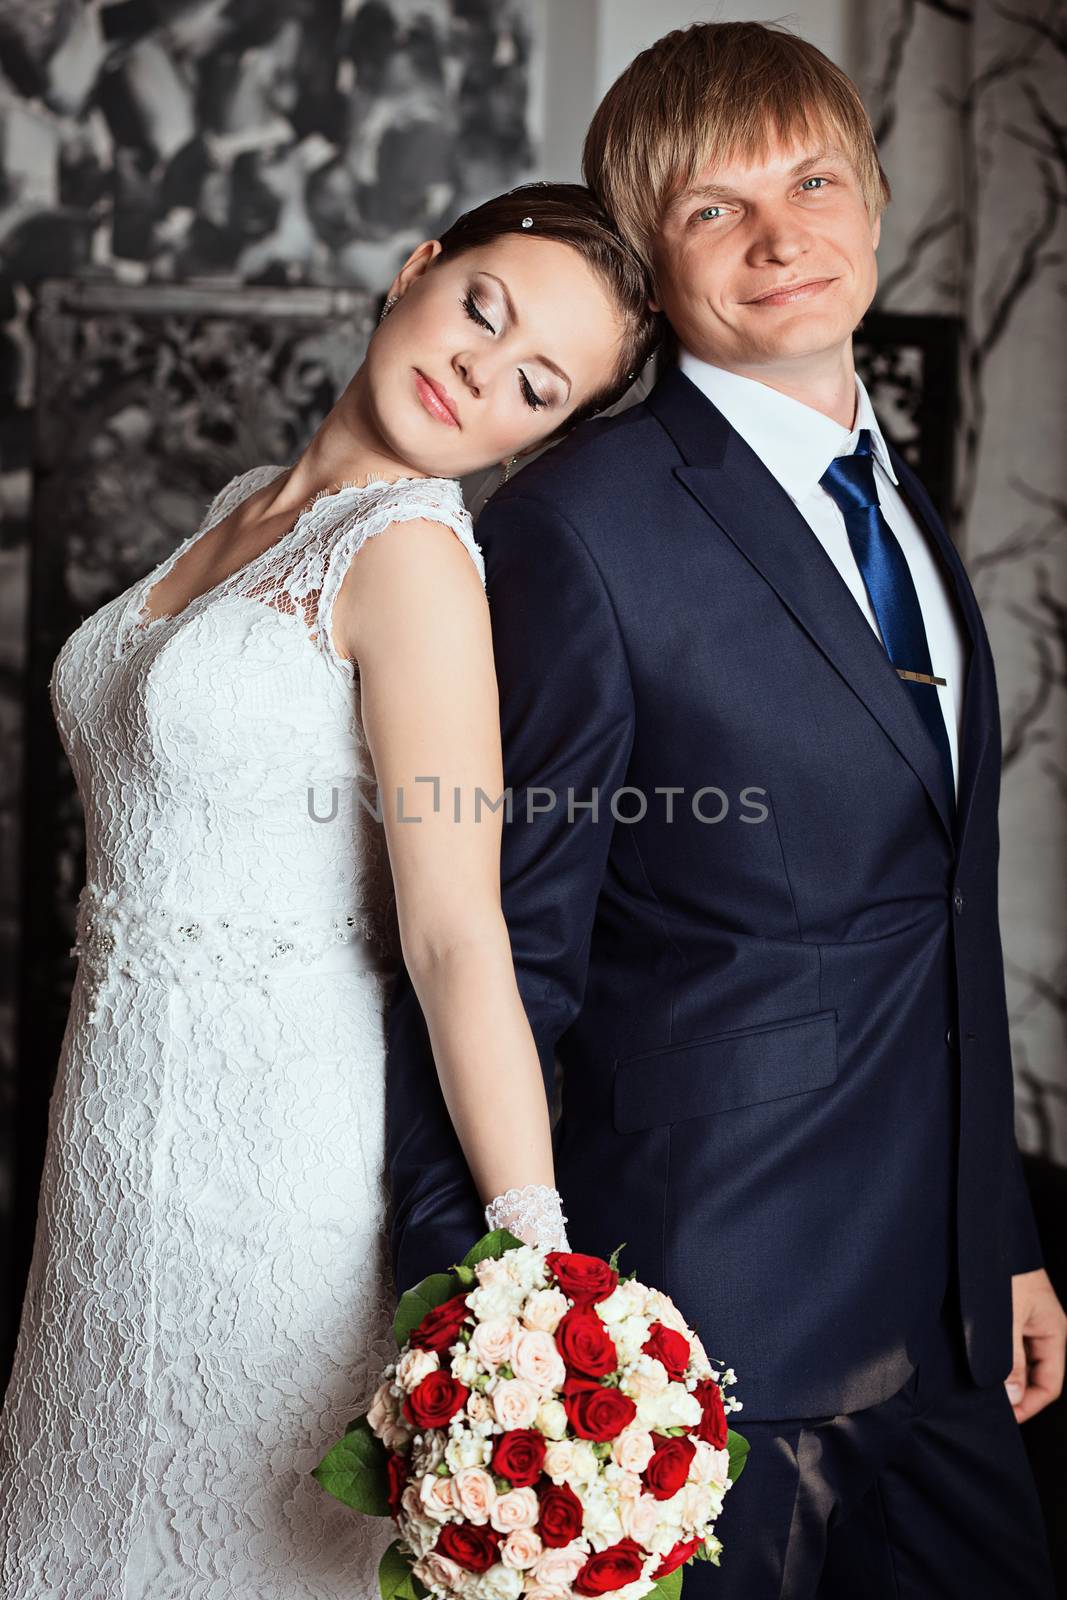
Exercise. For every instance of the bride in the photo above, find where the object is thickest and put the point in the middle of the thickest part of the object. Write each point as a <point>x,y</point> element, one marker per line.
<point>209,1302</point>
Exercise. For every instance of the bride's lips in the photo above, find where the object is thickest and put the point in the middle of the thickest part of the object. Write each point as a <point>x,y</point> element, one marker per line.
<point>793,292</point>
<point>436,400</point>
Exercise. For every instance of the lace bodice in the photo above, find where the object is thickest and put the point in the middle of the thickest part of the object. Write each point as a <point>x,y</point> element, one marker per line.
<point>222,726</point>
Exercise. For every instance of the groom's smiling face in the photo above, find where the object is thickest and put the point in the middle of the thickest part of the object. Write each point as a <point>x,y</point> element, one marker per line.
<point>733,240</point>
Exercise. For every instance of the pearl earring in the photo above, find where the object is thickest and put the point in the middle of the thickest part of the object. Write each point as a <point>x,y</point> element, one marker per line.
<point>388,306</point>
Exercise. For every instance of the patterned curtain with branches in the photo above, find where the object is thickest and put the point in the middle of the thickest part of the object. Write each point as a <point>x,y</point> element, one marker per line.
<point>969,103</point>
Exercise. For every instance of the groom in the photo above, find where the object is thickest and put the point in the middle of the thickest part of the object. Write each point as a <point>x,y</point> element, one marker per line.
<point>750,726</point>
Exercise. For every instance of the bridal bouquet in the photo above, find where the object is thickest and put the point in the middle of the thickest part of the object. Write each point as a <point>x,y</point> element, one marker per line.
<point>549,1429</point>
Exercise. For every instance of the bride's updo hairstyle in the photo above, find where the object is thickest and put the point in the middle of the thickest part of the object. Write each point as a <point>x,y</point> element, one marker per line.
<point>569,213</point>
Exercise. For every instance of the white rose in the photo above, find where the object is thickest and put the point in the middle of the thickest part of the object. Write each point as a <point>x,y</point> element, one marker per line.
<point>492,1341</point>
<point>514,1403</point>
<point>551,1418</point>
<point>414,1365</point>
<point>624,1485</point>
<point>498,1583</point>
<point>473,1493</point>
<point>535,1358</point>
<point>489,1271</point>
<point>625,1300</point>
<point>661,1308</point>
<point>439,1572</point>
<point>518,1508</point>
<point>585,1464</point>
<point>633,1447</point>
<point>545,1309</point>
<point>673,1407</point>
<point>559,1459</point>
<point>521,1548</point>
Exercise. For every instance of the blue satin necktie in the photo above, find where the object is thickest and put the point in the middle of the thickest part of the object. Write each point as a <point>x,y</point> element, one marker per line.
<point>885,571</point>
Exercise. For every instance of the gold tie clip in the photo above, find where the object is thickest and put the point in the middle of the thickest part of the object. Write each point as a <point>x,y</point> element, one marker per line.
<point>919,677</point>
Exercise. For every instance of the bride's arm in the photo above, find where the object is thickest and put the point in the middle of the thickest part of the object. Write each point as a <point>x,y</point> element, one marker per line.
<point>413,613</point>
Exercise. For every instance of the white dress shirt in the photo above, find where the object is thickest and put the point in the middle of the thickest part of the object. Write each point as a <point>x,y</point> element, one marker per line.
<point>796,444</point>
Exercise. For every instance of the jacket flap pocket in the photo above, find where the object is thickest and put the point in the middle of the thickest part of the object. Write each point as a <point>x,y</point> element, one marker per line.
<point>724,1072</point>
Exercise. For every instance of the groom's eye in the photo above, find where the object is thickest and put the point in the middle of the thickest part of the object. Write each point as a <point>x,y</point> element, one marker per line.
<point>470,306</point>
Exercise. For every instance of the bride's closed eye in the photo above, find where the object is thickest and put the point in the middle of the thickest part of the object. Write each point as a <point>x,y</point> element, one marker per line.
<point>529,393</point>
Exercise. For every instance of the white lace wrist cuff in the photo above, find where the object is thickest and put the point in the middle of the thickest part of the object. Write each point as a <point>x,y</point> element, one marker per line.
<point>533,1214</point>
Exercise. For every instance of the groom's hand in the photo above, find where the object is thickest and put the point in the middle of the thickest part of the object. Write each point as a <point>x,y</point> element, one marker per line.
<point>1039,1333</point>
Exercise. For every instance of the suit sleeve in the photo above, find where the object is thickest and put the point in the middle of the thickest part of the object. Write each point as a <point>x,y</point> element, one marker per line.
<point>1024,1242</point>
<point>567,726</point>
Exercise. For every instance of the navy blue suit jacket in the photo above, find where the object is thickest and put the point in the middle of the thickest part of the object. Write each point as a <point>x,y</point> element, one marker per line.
<point>787,1082</point>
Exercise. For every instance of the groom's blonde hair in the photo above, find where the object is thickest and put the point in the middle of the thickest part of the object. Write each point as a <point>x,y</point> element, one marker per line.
<point>713,92</point>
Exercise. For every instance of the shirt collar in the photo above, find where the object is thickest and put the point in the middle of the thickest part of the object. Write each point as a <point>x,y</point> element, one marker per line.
<point>795,442</point>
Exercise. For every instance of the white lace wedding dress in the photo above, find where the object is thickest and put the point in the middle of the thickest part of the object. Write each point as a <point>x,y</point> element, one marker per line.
<point>210,1298</point>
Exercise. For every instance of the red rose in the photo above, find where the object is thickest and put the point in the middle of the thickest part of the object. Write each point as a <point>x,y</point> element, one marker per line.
<point>468,1545</point>
<point>433,1401</point>
<point>585,1344</point>
<point>713,1425</point>
<point>596,1411</point>
<point>668,1466</point>
<point>519,1455</point>
<point>439,1328</point>
<point>560,1517</point>
<point>396,1476</point>
<point>610,1569</point>
<point>676,1556</point>
<point>584,1278</point>
<point>668,1346</point>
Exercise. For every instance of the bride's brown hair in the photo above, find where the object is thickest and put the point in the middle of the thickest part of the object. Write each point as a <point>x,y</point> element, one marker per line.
<point>570,214</point>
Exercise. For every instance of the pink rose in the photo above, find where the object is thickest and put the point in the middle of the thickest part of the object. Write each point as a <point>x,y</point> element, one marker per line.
<point>473,1493</point>
<point>515,1403</point>
<point>561,1566</point>
<point>544,1310</point>
<point>438,1571</point>
<point>521,1549</point>
<point>632,1448</point>
<point>536,1358</point>
<point>435,1496</point>
<point>414,1365</point>
<point>492,1340</point>
<point>518,1508</point>
<point>639,1518</point>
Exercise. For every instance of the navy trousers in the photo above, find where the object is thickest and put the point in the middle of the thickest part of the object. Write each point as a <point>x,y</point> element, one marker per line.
<point>926,1496</point>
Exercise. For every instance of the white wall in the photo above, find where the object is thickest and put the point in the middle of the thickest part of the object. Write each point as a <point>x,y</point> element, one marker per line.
<point>589,42</point>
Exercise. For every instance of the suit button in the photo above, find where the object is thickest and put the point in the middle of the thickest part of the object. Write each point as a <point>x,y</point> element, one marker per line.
<point>957,901</point>
<point>950,1038</point>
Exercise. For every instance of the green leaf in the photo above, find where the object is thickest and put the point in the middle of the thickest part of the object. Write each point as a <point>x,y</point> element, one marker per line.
<point>613,1259</point>
<point>668,1587</point>
<point>738,1448</point>
<point>395,1577</point>
<point>414,1303</point>
<point>354,1471</point>
<point>491,1246</point>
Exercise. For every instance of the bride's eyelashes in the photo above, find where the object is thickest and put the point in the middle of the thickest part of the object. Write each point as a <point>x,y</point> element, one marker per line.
<point>529,393</point>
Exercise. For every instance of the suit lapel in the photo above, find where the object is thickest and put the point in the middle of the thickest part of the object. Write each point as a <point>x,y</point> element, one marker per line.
<point>746,501</point>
